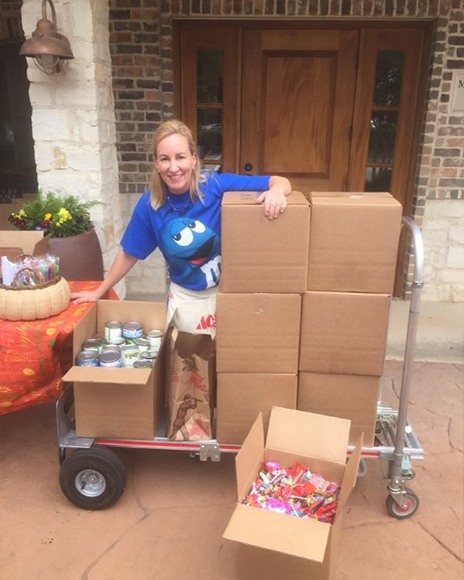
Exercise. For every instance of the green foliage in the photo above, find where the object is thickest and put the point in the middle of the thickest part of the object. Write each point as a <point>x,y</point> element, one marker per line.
<point>59,216</point>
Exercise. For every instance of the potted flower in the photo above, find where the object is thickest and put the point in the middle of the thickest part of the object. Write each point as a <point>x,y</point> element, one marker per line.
<point>66,220</point>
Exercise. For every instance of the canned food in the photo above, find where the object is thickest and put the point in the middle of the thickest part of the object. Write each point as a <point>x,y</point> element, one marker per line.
<point>116,342</point>
<point>132,330</point>
<point>87,358</point>
<point>155,337</point>
<point>143,344</point>
<point>130,353</point>
<point>143,364</point>
<point>110,358</point>
<point>149,354</point>
<point>109,347</point>
<point>93,344</point>
<point>113,329</point>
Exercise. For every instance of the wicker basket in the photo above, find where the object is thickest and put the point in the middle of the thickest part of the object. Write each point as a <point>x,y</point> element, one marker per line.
<point>34,302</point>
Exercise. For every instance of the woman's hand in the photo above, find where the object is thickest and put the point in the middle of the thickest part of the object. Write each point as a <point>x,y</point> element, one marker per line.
<point>275,198</point>
<point>274,203</point>
<point>86,296</point>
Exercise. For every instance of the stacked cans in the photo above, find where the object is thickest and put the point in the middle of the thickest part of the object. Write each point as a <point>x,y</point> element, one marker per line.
<point>123,345</point>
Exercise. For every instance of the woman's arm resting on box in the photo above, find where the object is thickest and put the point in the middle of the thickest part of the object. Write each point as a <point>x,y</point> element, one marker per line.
<point>121,265</point>
<point>274,198</point>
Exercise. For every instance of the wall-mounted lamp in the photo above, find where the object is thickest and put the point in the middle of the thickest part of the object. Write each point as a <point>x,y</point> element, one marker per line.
<point>49,49</point>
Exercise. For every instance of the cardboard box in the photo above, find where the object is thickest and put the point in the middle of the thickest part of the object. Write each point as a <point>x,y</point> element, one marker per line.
<point>352,397</point>
<point>30,242</point>
<point>354,241</point>
<point>117,402</point>
<point>262,255</point>
<point>344,333</point>
<point>241,396</point>
<point>285,546</point>
<point>258,333</point>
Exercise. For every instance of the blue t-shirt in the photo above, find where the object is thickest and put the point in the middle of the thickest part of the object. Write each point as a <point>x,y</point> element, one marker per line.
<point>187,234</point>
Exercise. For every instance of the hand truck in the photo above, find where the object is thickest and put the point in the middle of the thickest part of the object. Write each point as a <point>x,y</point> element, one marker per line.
<point>93,477</point>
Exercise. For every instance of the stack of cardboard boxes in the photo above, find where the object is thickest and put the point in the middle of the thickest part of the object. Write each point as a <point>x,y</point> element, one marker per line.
<point>303,307</point>
<point>264,272</point>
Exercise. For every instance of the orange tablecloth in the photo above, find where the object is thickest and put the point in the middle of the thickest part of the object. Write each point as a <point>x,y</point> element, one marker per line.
<point>35,354</point>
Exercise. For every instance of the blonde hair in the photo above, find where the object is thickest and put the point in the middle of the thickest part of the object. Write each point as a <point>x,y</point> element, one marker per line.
<point>158,191</point>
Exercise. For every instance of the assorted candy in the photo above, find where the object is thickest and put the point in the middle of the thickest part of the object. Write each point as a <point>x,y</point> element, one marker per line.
<point>34,270</point>
<point>296,491</point>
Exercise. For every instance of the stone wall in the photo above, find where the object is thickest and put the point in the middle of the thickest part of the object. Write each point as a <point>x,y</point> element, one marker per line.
<point>141,47</point>
<point>73,122</point>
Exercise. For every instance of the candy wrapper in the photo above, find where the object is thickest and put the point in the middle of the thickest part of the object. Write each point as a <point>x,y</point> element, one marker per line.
<point>295,491</point>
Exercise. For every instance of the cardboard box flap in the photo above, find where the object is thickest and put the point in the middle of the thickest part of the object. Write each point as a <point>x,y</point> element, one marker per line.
<point>151,314</point>
<point>248,459</point>
<point>30,242</point>
<point>106,375</point>
<point>350,475</point>
<point>381,198</point>
<point>279,532</point>
<point>249,198</point>
<point>303,433</point>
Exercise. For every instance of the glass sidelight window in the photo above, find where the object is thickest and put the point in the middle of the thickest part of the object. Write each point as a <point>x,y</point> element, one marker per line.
<point>384,120</point>
<point>209,105</point>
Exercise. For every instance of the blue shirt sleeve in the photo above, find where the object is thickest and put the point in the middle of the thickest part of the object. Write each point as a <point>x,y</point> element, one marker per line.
<point>140,238</point>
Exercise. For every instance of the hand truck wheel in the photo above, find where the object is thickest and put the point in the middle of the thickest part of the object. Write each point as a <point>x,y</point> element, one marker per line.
<point>410,508</point>
<point>93,479</point>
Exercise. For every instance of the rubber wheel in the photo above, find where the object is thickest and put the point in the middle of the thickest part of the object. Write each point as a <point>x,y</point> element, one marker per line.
<point>396,511</point>
<point>93,479</point>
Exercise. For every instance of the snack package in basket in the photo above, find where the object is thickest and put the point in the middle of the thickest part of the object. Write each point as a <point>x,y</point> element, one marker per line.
<point>190,377</point>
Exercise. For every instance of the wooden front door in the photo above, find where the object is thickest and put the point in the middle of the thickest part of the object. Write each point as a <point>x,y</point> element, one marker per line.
<point>297,105</point>
<point>332,106</point>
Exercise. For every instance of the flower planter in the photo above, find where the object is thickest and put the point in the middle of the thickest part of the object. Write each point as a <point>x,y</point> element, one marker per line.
<point>80,256</point>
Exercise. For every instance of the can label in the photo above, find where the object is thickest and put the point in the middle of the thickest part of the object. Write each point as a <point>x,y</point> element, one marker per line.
<point>132,330</point>
<point>143,364</point>
<point>149,355</point>
<point>113,330</point>
<point>130,353</point>
<point>155,337</point>
<point>143,344</point>
<point>87,358</point>
<point>117,341</point>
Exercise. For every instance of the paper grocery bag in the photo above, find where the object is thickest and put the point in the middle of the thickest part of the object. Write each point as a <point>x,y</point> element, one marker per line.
<point>190,380</point>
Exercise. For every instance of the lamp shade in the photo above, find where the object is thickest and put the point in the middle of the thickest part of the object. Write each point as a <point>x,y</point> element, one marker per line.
<point>47,47</point>
<point>46,41</point>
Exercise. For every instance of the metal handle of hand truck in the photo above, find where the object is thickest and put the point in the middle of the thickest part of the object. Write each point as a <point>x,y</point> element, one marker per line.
<point>417,284</point>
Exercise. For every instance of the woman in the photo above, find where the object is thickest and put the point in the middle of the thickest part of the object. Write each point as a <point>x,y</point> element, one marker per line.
<point>181,217</point>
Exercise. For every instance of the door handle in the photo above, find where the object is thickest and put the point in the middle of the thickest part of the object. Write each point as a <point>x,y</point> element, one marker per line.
<point>248,166</point>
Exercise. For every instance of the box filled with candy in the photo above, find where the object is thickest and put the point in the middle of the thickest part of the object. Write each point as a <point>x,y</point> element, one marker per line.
<point>292,488</point>
<point>296,491</point>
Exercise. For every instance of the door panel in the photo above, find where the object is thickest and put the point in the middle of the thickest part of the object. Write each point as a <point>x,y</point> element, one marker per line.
<point>297,103</point>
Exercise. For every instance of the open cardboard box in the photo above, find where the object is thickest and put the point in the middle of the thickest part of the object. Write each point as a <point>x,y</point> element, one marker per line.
<point>14,243</point>
<point>285,546</point>
<point>30,242</point>
<point>118,402</point>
